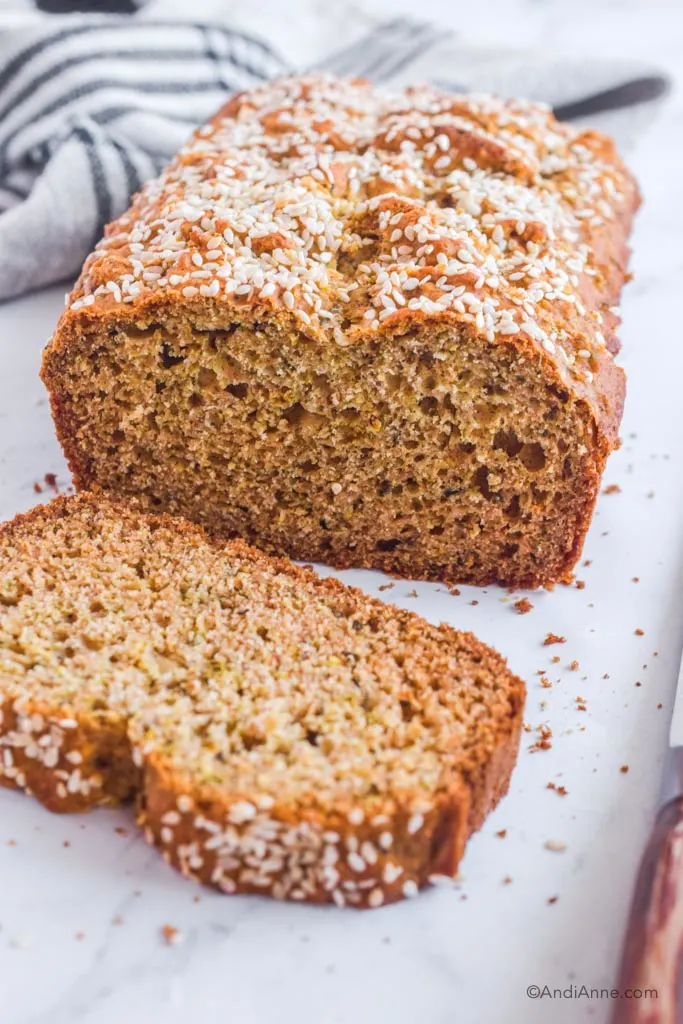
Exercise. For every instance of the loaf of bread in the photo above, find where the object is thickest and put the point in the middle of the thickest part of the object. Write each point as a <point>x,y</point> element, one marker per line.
<point>283,734</point>
<point>368,328</point>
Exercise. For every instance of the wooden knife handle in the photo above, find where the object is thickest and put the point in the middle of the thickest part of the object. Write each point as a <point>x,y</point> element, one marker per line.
<point>652,956</point>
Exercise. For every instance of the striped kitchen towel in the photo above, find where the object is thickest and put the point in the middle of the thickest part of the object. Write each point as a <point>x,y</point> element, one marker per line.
<point>91,106</point>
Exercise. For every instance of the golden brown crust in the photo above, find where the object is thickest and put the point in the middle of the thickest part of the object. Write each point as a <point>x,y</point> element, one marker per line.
<point>352,854</point>
<point>543,214</point>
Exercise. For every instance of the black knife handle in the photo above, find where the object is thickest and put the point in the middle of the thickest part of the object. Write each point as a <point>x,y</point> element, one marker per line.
<point>628,94</point>
<point>91,6</point>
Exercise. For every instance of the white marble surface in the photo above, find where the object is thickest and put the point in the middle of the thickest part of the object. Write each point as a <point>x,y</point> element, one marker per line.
<point>82,904</point>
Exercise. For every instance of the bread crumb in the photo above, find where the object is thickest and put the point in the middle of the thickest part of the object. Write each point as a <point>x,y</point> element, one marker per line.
<point>553,899</point>
<point>386,586</point>
<point>545,683</point>
<point>636,579</point>
<point>474,602</point>
<point>573,665</point>
<point>624,769</point>
<point>580,585</point>
<point>51,481</point>
<point>555,659</point>
<point>502,833</point>
<point>412,593</point>
<point>560,790</point>
<point>612,489</point>
<point>556,845</point>
<point>639,632</point>
<point>589,561</point>
<point>37,488</point>
<point>172,936</point>
<point>553,638</point>
<point>523,606</point>
<point>544,736</point>
<point>507,880</point>
<point>454,591</point>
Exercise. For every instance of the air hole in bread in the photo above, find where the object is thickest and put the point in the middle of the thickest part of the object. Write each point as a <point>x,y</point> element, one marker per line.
<point>533,456</point>
<point>507,441</point>
<point>429,406</point>
<point>388,545</point>
<point>168,359</point>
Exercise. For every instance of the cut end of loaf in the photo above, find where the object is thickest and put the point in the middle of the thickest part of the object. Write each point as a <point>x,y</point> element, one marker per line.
<point>433,455</point>
<point>283,734</point>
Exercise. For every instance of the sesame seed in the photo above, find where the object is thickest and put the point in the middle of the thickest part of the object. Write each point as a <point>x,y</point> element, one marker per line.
<point>368,852</point>
<point>241,811</point>
<point>385,840</point>
<point>376,898</point>
<point>355,862</point>
<point>391,872</point>
<point>415,823</point>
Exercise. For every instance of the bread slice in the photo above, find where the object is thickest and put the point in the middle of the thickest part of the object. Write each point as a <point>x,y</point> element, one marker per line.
<point>283,734</point>
<point>361,327</point>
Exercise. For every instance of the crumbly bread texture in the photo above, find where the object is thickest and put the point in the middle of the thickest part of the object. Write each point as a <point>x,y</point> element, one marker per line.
<point>362,327</point>
<point>283,734</point>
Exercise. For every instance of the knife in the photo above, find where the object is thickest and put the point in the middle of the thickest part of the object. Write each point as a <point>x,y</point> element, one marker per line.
<point>652,955</point>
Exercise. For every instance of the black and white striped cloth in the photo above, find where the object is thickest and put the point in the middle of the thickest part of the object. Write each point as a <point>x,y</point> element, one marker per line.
<point>92,106</point>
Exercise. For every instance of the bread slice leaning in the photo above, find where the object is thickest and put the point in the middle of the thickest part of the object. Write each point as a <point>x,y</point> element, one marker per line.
<point>282,734</point>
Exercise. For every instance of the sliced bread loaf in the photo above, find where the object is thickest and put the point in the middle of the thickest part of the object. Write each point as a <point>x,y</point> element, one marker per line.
<point>361,327</point>
<point>283,734</point>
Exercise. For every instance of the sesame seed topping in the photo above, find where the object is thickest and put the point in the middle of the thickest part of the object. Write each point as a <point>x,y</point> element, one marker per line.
<point>486,195</point>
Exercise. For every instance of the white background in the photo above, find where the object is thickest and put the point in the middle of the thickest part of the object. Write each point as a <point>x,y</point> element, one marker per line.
<point>464,955</point>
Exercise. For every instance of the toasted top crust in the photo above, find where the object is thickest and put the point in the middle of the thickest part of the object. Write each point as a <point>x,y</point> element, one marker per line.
<point>338,207</point>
